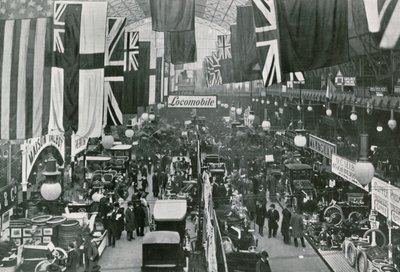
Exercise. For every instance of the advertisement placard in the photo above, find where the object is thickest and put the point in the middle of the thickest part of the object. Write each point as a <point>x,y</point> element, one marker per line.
<point>321,146</point>
<point>192,101</point>
<point>344,168</point>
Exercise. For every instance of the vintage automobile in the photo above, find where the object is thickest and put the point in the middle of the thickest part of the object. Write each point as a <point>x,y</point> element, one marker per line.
<point>121,155</point>
<point>298,183</point>
<point>170,215</point>
<point>162,251</point>
<point>189,192</point>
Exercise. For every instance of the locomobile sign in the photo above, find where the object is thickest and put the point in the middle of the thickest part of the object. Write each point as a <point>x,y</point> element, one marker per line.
<point>192,101</point>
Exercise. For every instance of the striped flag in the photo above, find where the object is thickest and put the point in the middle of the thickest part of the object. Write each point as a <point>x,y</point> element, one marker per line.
<point>384,16</point>
<point>224,46</point>
<point>114,69</point>
<point>267,40</point>
<point>131,51</point>
<point>330,89</point>
<point>25,47</point>
<point>77,76</point>
<point>114,53</point>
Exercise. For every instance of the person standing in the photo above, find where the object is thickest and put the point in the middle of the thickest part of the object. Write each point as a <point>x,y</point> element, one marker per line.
<point>120,220</point>
<point>92,255</point>
<point>163,180</point>
<point>260,217</point>
<point>262,264</point>
<point>297,225</point>
<point>140,218</point>
<point>156,184</point>
<point>72,264</point>
<point>130,221</point>
<point>285,225</point>
<point>273,221</point>
<point>112,226</point>
<point>249,200</point>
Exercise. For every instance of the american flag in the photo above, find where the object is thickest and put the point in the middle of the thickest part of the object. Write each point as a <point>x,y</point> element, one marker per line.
<point>23,9</point>
<point>384,16</point>
<point>132,51</point>
<point>267,40</point>
<point>224,46</point>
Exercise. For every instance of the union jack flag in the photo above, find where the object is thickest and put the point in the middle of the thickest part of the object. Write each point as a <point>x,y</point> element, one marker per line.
<point>224,46</point>
<point>213,72</point>
<point>59,27</point>
<point>132,51</point>
<point>267,40</point>
<point>383,16</point>
<point>114,53</point>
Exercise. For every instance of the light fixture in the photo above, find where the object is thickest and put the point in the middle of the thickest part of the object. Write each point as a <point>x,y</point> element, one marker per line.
<point>285,103</point>
<point>107,141</point>
<point>152,115</point>
<point>309,108</point>
<point>276,103</point>
<point>129,132</point>
<point>51,189</point>
<point>379,127</point>
<point>328,111</point>
<point>268,102</point>
<point>233,108</point>
<point>353,115</point>
<point>145,116</point>
<point>251,116</point>
<point>219,102</point>
<point>300,140</point>
<point>239,111</point>
<point>226,105</point>
<point>298,108</point>
<point>266,125</point>
<point>256,99</point>
<point>161,105</point>
<point>392,123</point>
<point>253,99</point>
<point>280,110</point>
<point>262,101</point>
<point>364,170</point>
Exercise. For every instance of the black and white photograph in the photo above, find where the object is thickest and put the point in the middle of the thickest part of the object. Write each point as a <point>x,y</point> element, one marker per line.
<point>199,135</point>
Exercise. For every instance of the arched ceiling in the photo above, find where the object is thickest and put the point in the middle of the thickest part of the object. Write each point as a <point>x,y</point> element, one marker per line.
<point>220,13</point>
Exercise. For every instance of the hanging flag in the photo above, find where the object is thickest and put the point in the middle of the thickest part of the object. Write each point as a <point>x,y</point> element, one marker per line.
<point>25,59</point>
<point>307,45</point>
<point>159,78</point>
<point>172,15</point>
<point>181,45</point>
<point>227,72</point>
<point>77,76</point>
<point>330,89</point>
<point>167,68</point>
<point>112,113</point>
<point>384,17</point>
<point>246,37</point>
<point>12,9</point>
<point>114,63</point>
<point>213,74</point>
<point>131,51</point>
<point>235,52</point>
<point>297,77</point>
<point>224,46</point>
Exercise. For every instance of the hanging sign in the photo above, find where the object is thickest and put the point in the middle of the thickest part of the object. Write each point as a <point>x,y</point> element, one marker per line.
<point>34,146</point>
<point>78,144</point>
<point>192,101</point>
<point>344,168</point>
<point>349,81</point>
<point>8,197</point>
<point>321,146</point>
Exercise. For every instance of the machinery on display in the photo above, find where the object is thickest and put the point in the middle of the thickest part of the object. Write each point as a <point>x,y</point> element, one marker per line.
<point>167,248</point>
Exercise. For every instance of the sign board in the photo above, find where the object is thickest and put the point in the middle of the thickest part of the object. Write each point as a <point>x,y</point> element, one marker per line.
<point>78,144</point>
<point>383,195</point>
<point>34,146</point>
<point>192,101</point>
<point>378,90</point>
<point>344,168</point>
<point>321,146</point>
<point>8,197</point>
<point>269,158</point>
<point>349,81</point>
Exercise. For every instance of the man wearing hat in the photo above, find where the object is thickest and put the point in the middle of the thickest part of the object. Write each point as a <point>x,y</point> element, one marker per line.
<point>73,259</point>
<point>263,264</point>
<point>273,221</point>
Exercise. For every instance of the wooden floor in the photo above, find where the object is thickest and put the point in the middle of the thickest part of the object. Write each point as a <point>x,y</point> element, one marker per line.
<point>336,260</point>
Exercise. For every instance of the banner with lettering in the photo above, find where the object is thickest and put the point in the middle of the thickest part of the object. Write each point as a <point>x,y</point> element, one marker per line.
<point>34,146</point>
<point>78,144</point>
<point>344,168</point>
<point>192,101</point>
<point>8,197</point>
<point>321,146</point>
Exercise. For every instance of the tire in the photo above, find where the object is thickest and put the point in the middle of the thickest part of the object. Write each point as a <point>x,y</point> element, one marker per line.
<point>357,215</point>
<point>351,254</point>
<point>334,212</point>
<point>377,231</point>
<point>362,262</point>
<point>41,219</point>
<point>42,266</point>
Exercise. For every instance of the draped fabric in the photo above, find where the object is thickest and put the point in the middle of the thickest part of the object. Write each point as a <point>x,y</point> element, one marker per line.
<point>159,78</point>
<point>246,38</point>
<point>180,47</point>
<point>227,72</point>
<point>172,15</point>
<point>25,64</point>
<point>136,92</point>
<point>77,76</point>
<point>313,34</point>
<point>237,73</point>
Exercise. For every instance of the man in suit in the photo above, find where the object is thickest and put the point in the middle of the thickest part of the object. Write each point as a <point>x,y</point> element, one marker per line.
<point>263,264</point>
<point>140,218</point>
<point>72,264</point>
<point>130,221</point>
<point>273,221</point>
<point>112,226</point>
<point>285,225</point>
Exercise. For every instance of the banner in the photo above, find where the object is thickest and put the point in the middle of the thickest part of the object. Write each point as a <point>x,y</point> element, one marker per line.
<point>8,197</point>
<point>34,146</point>
<point>78,144</point>
<point>321,146</point>
<point>192,101</point>
<point>172,15</point>
<point>345,168</point>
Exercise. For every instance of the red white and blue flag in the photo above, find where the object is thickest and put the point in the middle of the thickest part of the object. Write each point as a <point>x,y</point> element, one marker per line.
<point>224,46</point>
<point>77,76</point>
<point>132,51</point>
